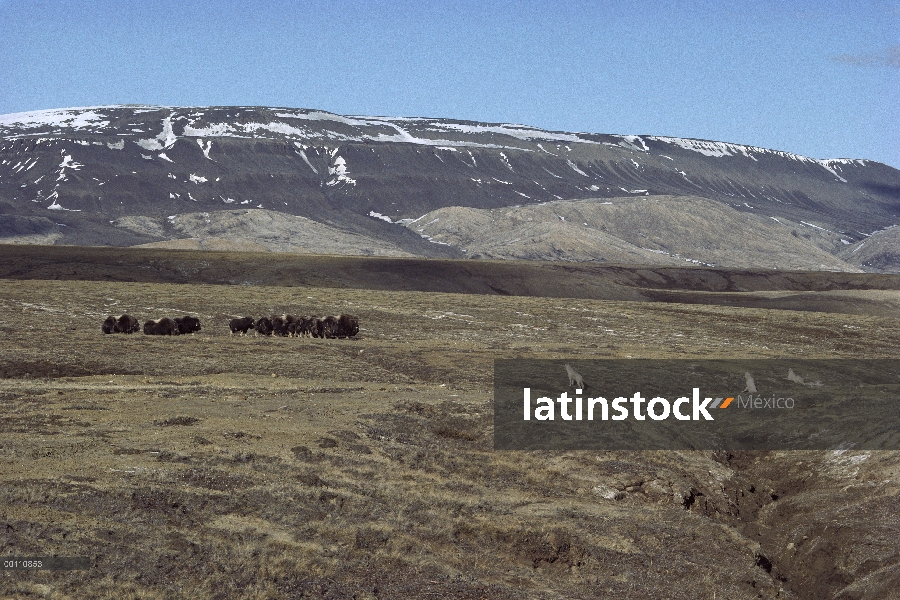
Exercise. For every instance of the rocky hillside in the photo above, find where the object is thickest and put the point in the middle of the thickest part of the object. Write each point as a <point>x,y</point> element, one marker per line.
<point>293,180</point>
<point>650,230</point>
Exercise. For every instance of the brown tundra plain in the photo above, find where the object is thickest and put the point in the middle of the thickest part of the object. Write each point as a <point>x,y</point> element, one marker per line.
<point>224,466</point>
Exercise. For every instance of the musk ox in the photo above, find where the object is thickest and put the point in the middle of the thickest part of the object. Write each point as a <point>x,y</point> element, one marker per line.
<point>242,325</point>
<point>315,325</point>
<point>121,324</point>
<point>328,327</point>
<point>280,324</point>
<point>295,326</point>
<point>187,324</point>
<point>109,325</point>
<point>128,324</point>
<point>264,326</point>
<point>348,326</point>
<point>164,326</point>
<point>306,327</point>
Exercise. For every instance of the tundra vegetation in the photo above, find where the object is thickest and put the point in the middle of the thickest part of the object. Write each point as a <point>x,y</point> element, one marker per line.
<point>227,466</point>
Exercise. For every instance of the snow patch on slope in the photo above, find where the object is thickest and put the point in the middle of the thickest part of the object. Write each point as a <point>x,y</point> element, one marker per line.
<point>166,139</point>
<point>516,131</point>
<point>302,152</point>
<point>56,206</point>
<point>720,149</point>
<point>214,130</point>
<point>317,115</point>
<point>339,171</point>
<point>707,148</point>
<point>634,142</point>
<point>576,169</point>
<point>826,164</point>
<point>205,149</point>
<point>68,163</point>
<point>75,118</point>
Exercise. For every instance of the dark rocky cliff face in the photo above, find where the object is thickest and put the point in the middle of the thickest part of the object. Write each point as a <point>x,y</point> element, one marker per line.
<point>128,175</point>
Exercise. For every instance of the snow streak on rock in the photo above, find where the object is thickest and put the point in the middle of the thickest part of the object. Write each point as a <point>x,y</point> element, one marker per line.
<point>339,171</point>
<point>707,148</point>
<point>166,139</point>
<point>205,149</point>
<point>302,152</point>
<point>576,169</point>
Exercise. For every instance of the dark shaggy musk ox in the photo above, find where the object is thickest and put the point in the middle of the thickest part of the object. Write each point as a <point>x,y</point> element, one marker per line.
<point>315,326</point>
<point>295,326</point>
<point>242,325</point>
<point>187,324</point>
<point>128,324</point>
<point>348,326</point>
<point>264,326</point>
<point>281,324</point>
<point>292,328</point>
<point>328,328</point>
<point>121,324</point>
<point>306,327</point>
<point>164,326</point>
<point>109,325</point>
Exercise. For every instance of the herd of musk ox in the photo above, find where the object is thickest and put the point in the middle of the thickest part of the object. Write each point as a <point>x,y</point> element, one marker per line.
<point>343,326</point>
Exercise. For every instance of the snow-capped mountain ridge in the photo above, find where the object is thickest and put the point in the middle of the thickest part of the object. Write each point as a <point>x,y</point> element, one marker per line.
<point>91,119</point>
<point>157,161</point>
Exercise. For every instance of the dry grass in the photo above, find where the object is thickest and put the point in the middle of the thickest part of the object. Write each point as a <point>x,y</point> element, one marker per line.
<point>221,466</point>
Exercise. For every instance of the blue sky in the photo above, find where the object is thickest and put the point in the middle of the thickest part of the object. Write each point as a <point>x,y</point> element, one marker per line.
<point>816,78</point>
